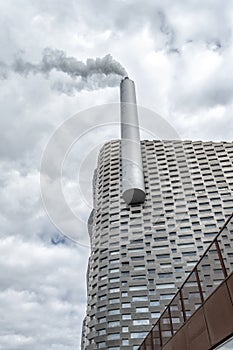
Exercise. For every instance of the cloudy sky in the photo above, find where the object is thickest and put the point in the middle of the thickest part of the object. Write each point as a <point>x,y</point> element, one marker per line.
<point>180,55</point>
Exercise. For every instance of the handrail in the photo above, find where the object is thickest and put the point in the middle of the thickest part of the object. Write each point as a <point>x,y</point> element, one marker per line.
<point>197,287</point>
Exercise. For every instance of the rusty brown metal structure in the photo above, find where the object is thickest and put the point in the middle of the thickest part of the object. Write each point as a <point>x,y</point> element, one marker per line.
<point>200,315</point>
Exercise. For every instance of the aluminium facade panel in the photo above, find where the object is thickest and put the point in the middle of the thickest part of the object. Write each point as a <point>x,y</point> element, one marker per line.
<point>141,253</point>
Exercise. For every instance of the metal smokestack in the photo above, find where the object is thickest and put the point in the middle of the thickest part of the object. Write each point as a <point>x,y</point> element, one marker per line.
<point>133,188</point>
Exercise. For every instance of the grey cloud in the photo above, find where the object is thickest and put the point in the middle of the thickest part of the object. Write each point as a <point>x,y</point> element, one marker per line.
<point>34,286</point>
<point>170,23</point>
<point>202,89</point>
<point>178,22</point>
<point>3,70</point>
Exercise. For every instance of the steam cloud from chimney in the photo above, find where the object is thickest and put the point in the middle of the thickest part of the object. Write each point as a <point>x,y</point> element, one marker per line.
<point>94,74</point>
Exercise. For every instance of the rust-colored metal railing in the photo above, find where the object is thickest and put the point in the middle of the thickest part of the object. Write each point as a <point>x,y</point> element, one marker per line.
<point>213,268</point>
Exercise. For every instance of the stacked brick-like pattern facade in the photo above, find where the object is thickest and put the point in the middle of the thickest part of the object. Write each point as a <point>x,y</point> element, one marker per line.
<point>140,254</point>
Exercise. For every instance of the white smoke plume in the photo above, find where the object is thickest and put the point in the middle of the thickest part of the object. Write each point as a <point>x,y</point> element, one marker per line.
<point>91,75</point>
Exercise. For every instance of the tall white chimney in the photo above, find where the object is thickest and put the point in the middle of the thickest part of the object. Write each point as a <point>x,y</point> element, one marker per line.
<point>133,187</point>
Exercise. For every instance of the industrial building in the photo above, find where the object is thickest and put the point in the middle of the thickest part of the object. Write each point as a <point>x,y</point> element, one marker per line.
<point>157,205</point>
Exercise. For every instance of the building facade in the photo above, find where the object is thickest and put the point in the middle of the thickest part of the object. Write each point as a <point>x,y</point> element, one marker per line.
<point>141,253</point>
